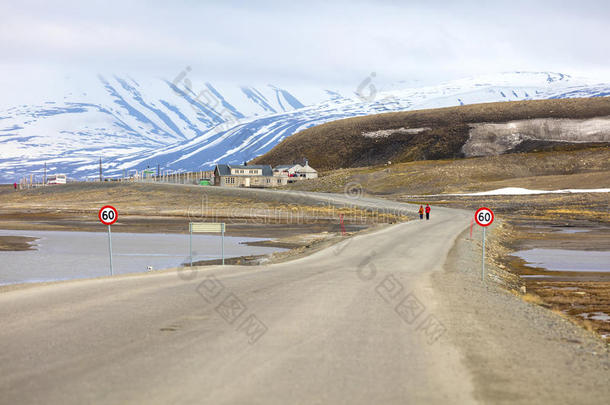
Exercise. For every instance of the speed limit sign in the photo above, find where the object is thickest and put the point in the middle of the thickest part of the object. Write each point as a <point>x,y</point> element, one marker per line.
<point>108,215</point>
<point>484,216</point>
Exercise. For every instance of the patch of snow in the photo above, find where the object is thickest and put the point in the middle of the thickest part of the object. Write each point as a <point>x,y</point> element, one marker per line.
<point>518,191</point>
<point>597,316</point>
<point>383,133</point>
<point>525,191</point>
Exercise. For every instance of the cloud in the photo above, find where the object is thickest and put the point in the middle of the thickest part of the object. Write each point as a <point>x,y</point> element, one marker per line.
<point>318,43</point>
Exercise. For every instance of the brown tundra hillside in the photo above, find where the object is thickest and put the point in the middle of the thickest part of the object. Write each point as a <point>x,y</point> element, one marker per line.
<point>472,130</point>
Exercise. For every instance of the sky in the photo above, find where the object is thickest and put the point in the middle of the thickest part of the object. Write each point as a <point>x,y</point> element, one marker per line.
<point>322,44</point>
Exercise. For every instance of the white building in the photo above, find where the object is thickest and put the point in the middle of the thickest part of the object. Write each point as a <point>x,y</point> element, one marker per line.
<point>295,172</point>
<point>307,172</point>
<point>289,170</point>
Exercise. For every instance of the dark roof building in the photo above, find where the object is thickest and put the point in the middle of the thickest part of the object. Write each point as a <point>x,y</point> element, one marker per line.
<point>245,176</point>
<point>227,170</point>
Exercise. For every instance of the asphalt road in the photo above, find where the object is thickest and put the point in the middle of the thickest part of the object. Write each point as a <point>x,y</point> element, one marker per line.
<point>349,324</point>
<point>356,323</point>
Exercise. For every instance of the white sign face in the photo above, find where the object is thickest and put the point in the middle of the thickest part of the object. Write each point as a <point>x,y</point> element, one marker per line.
<point>484,216</point>
<point>108,215</point>
<point>202,227</point>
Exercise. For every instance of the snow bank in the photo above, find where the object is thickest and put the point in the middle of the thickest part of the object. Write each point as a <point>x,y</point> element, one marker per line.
<point>383,133</point>
<point>525,191</point>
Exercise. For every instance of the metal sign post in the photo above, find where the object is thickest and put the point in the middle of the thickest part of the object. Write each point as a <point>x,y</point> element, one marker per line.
<point>110,249</point>
<point>206,227</point>
<point>483,217</point>
<point>483,260</point>
<point>108,215</point>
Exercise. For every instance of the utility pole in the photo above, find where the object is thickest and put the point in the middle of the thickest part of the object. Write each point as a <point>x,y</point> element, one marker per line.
<point>101,169</point>
<point>44,178</point>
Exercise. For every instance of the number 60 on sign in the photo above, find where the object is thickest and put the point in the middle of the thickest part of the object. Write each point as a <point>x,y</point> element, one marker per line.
<point>108,215</point>
<point>484,216</point>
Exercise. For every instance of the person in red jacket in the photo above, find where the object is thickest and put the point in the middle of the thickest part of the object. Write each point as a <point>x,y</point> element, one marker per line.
<point>421,212</point>
<point>427,211</point>
<point>15,186</point>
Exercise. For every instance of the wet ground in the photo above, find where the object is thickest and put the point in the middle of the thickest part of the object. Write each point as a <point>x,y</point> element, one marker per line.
<point>567,264</point>
<point>566,260</point>
<point>561,251</point>
<point>60,255</point>
<point>9,243</point>
<point>257,228</point>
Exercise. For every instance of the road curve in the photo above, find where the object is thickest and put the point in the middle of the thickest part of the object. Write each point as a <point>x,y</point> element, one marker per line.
<point>353,323</point>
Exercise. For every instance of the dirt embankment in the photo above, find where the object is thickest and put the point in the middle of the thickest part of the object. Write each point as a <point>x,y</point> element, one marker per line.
<point>151,207</point>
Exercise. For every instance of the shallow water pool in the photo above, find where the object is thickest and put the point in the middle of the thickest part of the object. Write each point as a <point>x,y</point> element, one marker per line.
<point>63,255</point>
<point>566,260</point>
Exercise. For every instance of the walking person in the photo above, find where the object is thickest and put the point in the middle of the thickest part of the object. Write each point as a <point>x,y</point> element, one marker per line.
<point>428,211</point>
<point>15,186</point>
<point>421,212</point>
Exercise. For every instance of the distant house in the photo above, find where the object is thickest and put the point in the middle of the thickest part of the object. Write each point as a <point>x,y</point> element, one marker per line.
<point>307,172</point>
<point>56,179</point>
<point>296,172</point>
<point>247,176</point>
<point>289,170</point>
<point>261,175</point>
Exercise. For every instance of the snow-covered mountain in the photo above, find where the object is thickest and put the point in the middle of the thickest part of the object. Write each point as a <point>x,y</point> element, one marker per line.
<point>134,125</point>
<point>118,116</point>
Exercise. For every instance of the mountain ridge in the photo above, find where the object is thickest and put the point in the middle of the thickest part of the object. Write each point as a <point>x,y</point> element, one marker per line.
<point>450,132</point>
<point>167,123</point>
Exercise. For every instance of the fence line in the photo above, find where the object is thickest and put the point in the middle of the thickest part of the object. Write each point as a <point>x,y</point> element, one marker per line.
<point>172,177</point>
<point>34,181</point>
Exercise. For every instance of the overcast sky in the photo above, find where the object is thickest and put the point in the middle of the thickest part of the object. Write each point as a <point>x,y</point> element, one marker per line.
<point>323,44</point>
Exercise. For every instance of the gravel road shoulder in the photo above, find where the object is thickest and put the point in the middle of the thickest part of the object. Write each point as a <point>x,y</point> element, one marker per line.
<point>517,352</point>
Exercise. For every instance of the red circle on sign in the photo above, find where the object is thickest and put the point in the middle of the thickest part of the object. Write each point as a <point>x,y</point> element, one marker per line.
<point>484,222</point>
<point>108,221</point>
